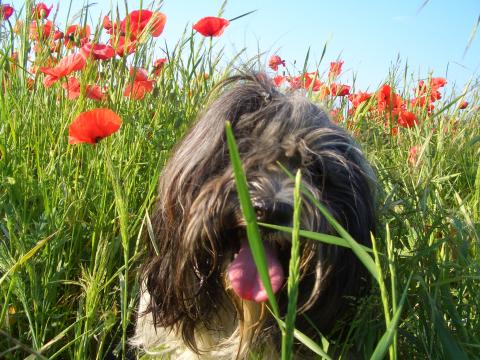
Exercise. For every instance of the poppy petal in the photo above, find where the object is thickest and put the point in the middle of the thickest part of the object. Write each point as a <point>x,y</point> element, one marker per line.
<point>92,126</point>
<point>211,26</point>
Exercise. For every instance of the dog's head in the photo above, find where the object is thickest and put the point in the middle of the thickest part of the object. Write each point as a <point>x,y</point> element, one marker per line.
<point>204,269</point>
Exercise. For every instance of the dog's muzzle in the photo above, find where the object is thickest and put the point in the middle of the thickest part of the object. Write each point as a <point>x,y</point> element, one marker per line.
<point>242,271</point>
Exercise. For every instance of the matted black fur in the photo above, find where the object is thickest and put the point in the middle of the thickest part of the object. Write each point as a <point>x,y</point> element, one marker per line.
<point>198,224</point>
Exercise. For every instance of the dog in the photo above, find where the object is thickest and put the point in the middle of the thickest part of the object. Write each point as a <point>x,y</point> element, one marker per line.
<point>200,294</point>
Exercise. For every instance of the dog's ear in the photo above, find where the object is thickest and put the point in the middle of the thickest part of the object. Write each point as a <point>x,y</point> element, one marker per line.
<point>183,272</point>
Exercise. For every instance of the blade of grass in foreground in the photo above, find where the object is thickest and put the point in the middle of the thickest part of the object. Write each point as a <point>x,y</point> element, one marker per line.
<point>254,239</point>
<point>293,274</point>
<point>253,233</point>
<point>325,238</point>
<point>387,338</point>
<point>357,249</point>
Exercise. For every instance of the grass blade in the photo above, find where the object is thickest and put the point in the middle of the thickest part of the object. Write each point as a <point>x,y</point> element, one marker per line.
<point>387,338</point>
<point>325,238</point>
<point>293,274</point>
<point>357,249</point>
<point>253,233</point>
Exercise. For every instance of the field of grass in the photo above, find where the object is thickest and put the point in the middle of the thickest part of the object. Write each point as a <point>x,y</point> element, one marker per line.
<point>72,216</point>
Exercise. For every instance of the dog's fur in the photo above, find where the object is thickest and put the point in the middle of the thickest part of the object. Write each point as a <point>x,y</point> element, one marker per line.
<point>187,307</point>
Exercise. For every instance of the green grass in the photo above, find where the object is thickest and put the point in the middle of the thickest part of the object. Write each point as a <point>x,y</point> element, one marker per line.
<point>72,217</point>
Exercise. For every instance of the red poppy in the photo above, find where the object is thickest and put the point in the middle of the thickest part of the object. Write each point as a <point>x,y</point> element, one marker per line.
<point>139,20</point>
<point>358,98</point>
<point>57,35</point>
<point>275,61</point>
<point>109,26</point>
<point>433,85</point>
<point>6,11</point>
<point>158,66</point>
<point>339,89</point>
<point>421,102</point>
<point>92,126</point>
<point>76,35</point>
<point>123,46</point>
<point>295,82</point>
<point>406,119</point>
<point>40,31</point>
<point>211,26</point>
<point>335,69</point>
<point>97,51</point>
<point>311,81</point>
<point>73,90</point>
<point>387,100</point>
<point>438,82</point>
<point>279,80</point>
<point>463,105</point>
<point>323,92</point>
<point>41,11</point>
<point>141,84</point>
<point>66,66</point>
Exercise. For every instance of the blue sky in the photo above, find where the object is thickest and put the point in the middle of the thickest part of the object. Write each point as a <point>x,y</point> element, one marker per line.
<point>368,35</point>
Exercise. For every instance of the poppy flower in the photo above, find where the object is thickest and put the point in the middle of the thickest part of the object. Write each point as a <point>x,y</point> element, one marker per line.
<point>387,100</point>
<point>421,102</point>
<point>40,31</point>
<point>310,80</point>
<point>406,119</point>
<point>323,92</point>
<point>433,85</point>
<point>295,82</point>
<point>76,35</point>
<point>97,51</point>
<point>73,88</point>
<point>92,126</point>
<point>66,66</point>
<point>335,69</point>
<point>141,84</point>
<point>137,21</point>
<point>211,26</point>
<point>109,26</point>
<point>275,61</point>
<point>358,98</point>
<point>57,35</point>
<point>41,11</point>
<point>438,82</point>
<point>158,66</point>
<point>6,11</point>
<point>463,105</point>
<point>339,89</point>
<point>123,46</point>
<point>279,80</point>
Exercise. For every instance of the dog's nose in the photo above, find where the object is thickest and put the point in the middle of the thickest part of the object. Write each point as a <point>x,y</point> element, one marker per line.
<point>278,213</point>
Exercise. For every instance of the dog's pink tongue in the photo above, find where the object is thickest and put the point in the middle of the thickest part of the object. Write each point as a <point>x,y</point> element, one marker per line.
<point>244,276</point>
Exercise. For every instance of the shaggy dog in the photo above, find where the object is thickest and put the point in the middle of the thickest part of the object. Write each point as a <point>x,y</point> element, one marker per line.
<point>201,294</point>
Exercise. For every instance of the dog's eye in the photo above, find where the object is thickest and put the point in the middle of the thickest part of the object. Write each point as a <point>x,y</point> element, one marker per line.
<point>276,213</point>
<point>260,213</point>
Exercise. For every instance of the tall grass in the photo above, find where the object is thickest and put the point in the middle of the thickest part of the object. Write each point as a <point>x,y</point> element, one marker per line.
<point>71,217</point>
